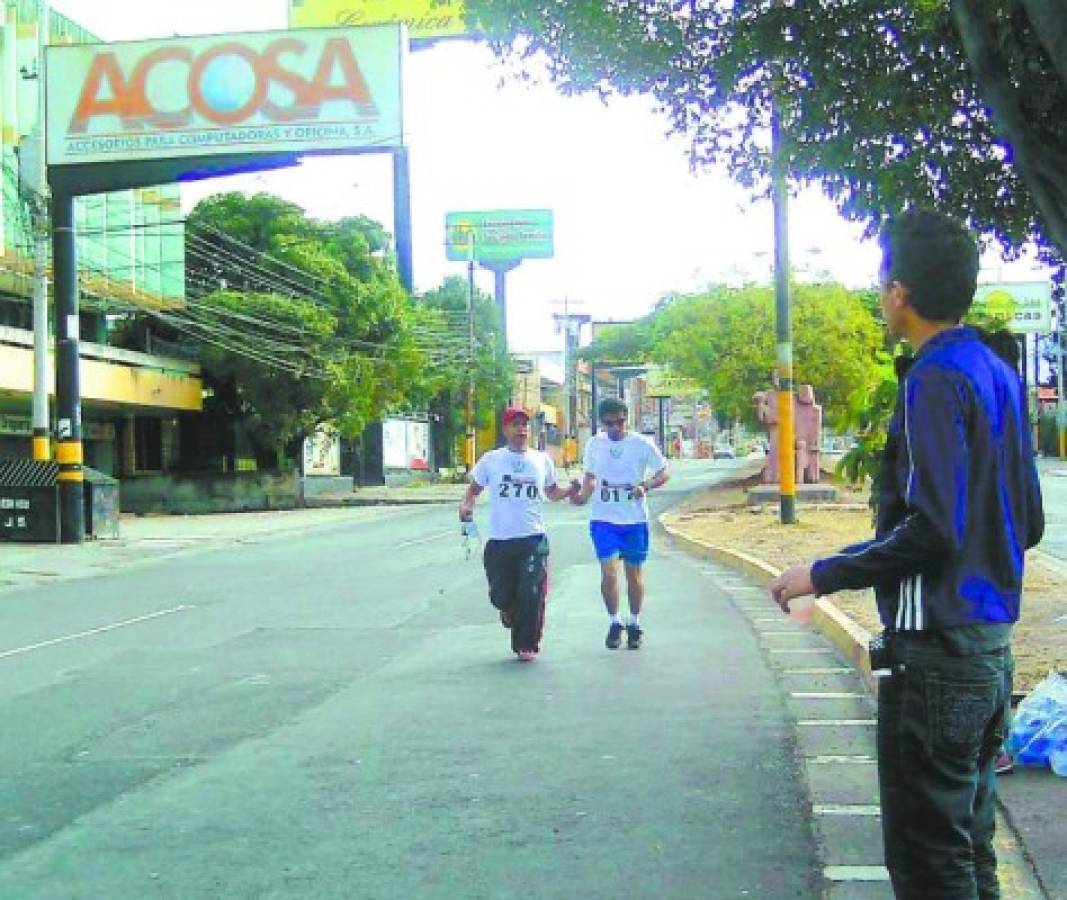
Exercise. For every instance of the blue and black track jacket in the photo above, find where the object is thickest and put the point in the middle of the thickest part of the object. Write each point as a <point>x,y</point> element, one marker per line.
<point>960,501</point>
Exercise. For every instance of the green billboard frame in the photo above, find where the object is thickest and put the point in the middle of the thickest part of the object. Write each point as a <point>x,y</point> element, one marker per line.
<point>500,236</point>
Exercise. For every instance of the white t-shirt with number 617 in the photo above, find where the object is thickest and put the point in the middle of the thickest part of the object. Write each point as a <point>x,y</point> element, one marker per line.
<point>516,483</point>
<point>619,466</point>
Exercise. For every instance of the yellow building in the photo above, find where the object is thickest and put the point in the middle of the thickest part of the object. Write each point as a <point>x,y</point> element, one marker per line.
<point>131,254</point>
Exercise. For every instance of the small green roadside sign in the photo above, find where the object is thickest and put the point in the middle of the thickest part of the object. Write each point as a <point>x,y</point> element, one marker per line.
<point>503,235</point>
<point>662,382</point>
<point>1023,307</point>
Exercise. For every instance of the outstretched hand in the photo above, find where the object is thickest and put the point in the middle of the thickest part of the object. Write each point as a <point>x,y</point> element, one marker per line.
<point>792,583</point>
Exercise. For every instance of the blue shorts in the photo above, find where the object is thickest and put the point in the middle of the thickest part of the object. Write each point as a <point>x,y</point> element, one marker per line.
<point>628,541</point>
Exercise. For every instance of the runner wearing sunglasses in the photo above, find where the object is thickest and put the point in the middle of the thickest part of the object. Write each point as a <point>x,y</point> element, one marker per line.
<point>620,469</point>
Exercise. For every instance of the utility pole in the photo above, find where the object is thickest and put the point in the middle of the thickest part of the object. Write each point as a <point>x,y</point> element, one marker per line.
<point>1061,388</point>
<point>42,449</point>
<point>571,325</point>
<point>786,431</point>
<point>469,442</point>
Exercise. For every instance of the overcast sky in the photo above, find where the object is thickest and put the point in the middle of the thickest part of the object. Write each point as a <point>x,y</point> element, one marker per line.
<point>632,222</point>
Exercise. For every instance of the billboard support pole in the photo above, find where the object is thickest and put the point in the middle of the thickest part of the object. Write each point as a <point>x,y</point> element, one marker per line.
<point>500,291</point>
<point>470,443</point>
<point>69,452</point>
<point>402,218</point>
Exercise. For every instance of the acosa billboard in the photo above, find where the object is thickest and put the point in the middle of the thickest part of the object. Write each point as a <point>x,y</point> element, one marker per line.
<point>269,92</point>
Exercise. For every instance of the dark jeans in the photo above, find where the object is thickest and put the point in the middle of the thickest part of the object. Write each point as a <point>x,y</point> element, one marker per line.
<point>517,570</point>
<point>941,722</point>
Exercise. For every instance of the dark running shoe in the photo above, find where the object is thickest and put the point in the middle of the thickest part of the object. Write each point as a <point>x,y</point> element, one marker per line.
<point>633,637</point>
<point>614,637</point>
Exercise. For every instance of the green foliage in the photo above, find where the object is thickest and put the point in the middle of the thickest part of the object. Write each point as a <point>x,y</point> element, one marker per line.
<point>724,339</point>
<point>301,322</point>
<point>1048,434</point>
<point>627,342</point>
<point>877,97</point>
<point>493,369</point>
<point>869,418</point>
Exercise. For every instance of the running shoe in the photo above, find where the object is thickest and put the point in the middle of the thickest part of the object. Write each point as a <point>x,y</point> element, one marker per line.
<point>527,656</point>
<point>633,637</point>
<point>614,637</point>
<point>1004,765</point>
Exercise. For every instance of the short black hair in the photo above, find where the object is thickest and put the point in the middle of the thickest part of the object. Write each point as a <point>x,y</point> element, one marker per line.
<point>936,258</point>
<point>609,406</point>
<point>1003,343</point>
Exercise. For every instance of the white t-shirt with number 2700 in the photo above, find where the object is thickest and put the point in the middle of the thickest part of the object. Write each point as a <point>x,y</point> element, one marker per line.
<point>516,483</point>
<point>618,467</point>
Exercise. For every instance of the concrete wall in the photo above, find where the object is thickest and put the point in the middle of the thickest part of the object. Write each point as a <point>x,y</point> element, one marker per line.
<point>190,494</point>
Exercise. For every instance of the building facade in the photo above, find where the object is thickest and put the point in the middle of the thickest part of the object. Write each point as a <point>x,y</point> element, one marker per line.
<point>131,260</point>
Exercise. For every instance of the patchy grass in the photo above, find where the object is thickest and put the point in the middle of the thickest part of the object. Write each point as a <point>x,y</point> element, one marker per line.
<point>718,516</point>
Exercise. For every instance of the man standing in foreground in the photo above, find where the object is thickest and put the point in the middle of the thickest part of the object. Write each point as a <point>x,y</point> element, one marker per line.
<point>620,469</point>
<point>963,506</point>
<point>516,554</point>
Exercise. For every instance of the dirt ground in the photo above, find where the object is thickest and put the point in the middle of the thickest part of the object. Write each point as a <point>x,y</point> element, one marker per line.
<point>720,517</point>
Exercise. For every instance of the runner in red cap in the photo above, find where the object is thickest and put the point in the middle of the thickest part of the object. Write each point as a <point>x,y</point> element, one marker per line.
<point>516,553</point>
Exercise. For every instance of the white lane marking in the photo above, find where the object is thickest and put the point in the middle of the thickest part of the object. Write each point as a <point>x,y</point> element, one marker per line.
<point>426,540</point>
<point>856,873</point>
<point>846,809</point>
<point>832,760</point>
<point>94,631</point>
<point>826,695</point>
<point>824,723</point>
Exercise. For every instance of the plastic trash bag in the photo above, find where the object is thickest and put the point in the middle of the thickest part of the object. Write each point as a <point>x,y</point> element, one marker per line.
<point>1039,730</point>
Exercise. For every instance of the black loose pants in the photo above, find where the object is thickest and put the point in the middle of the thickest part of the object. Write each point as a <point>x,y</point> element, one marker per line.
<point>517,570</point>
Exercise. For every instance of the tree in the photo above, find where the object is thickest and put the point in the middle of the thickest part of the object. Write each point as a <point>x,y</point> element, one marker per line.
<point>1018,54</point>
<point>300,322</point>
<point>276,399</point>
<point>493,369</point>
<point>877,97</point>
<point>724,339</point>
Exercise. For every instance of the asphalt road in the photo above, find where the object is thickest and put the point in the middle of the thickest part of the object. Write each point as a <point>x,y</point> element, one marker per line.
<point>337,714</point>
<point>1054,494</point>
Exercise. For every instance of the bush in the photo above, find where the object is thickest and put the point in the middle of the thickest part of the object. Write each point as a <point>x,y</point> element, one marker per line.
<point>1048,437</point>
